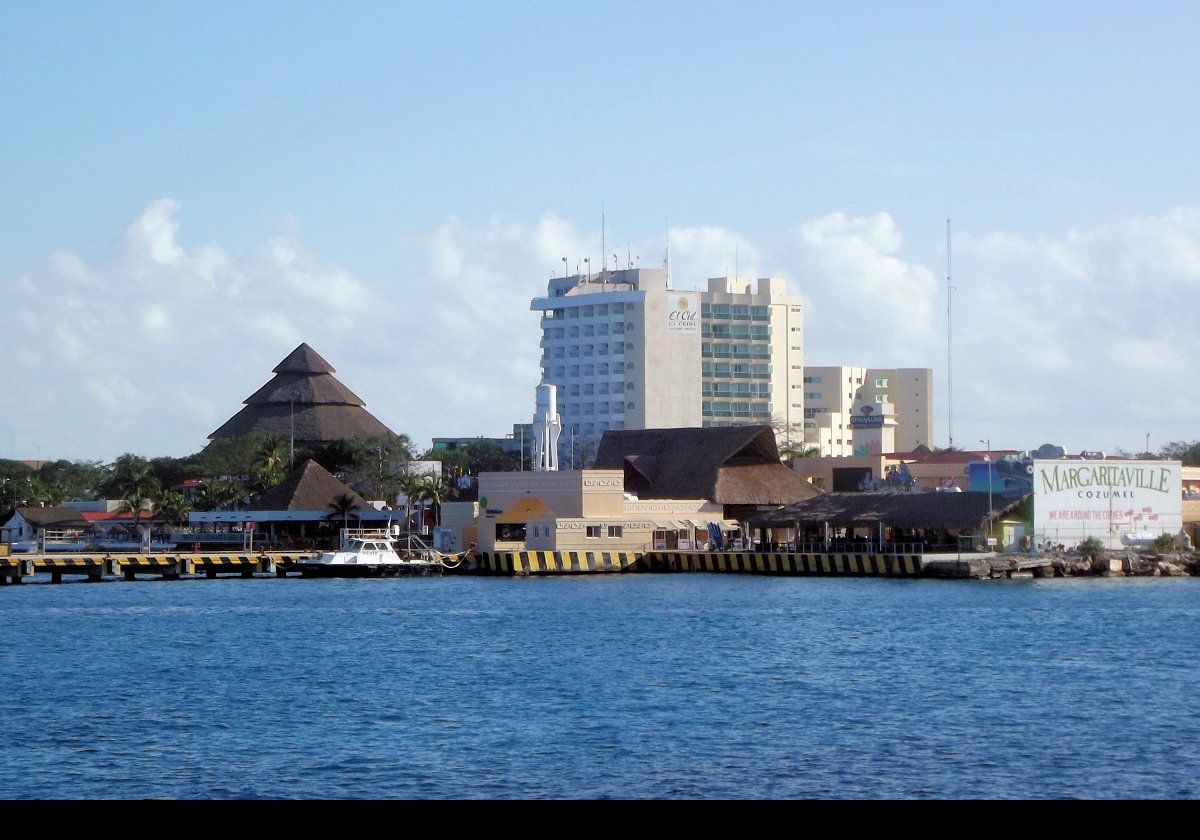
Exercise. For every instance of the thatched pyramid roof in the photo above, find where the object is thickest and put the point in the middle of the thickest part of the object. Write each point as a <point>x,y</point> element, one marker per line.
<point>309,487</point>
<point>304,395</point>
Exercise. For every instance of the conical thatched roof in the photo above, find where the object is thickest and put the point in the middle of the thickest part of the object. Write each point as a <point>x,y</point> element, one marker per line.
<point>308,487</point>
<point>304,395</point>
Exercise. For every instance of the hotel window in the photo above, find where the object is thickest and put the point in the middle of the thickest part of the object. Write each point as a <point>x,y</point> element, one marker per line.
<point>593,532</point>
<point>629,327</point>
<point>881,383</point>
<point>614,532</point>
<point>880,399</point>
<point>572,313</point>
<point>587,312</point>
<point>630,406</point>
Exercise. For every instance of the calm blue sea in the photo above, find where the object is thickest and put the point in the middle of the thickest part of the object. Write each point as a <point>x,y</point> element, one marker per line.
<point>617,686</point>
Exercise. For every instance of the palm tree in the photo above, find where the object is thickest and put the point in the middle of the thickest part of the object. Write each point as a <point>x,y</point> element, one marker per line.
<point>342,506</point>
<point>790,452</point>
<point>412,486</point>
<point>336,456</point>
<point>437,490</point>
<point>136,500</point>
<point>264,480</point>
<point>272,454</point>
<point>210,497</point>
<point>174,507</point>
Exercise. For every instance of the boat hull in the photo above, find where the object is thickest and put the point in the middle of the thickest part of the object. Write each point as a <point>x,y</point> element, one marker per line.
<point>366,570</point>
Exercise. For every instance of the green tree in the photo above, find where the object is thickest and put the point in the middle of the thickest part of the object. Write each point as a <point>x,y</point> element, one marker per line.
<point>337,456</point>
<point>173,507</point>
<point>79,479</point>
<point>1188,453</point>
<point>342,506</point>
<point>412,486</point>
<point>272,455</point>
<point>437,490</point>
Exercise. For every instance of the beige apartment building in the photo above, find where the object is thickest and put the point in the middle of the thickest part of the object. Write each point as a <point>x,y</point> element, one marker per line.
<point>628,351</point>
<point>867,411</point>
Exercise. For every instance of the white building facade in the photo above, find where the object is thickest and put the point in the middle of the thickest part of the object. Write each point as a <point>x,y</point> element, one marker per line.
<point>845,406</point>
<point>626,351</point>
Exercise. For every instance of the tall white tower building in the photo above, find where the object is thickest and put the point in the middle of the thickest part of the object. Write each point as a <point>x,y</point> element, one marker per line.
<point>626,351</point>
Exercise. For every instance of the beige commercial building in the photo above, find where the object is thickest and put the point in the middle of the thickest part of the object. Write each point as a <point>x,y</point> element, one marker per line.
<point>627,351</point>
<point>584,510</point>
<point>858,411</point>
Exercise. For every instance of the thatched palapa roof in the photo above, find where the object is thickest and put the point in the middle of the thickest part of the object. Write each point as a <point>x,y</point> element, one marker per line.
<point>729,465</point>
<point>953,511</point>
<point>309,487</point>
<point>306,397</point>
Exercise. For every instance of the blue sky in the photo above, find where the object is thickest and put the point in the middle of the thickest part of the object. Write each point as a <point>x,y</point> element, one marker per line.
<point>189,189</point>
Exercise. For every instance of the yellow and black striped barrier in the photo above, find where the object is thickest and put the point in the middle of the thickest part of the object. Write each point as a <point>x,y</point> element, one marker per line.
<point>14,569</point>
<point>736,562</point>
<point>211,564</point>
<point>783,563</point>
<point>555,562</point>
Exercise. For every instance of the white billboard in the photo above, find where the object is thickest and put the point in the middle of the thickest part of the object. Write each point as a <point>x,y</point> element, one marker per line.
<point>1073,500</point>
<point>683,312</point>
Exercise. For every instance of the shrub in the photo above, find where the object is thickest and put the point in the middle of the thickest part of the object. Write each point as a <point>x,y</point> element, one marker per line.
<point>1164,543</point>
<point>1091,548</point>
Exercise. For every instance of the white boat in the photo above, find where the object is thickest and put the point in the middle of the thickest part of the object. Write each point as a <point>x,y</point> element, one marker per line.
<point>365,552</point>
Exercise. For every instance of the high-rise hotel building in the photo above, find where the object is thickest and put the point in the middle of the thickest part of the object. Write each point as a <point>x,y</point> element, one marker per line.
<point>628,352</point>
<point>840,400</point>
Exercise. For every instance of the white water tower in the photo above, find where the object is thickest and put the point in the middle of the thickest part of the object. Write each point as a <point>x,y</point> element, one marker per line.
<point>546,429</point>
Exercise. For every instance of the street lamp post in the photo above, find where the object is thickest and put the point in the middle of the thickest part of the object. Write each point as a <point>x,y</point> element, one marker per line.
<point>991,521</point>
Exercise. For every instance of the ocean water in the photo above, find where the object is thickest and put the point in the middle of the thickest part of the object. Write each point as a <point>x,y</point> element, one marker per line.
<point>694,686</point>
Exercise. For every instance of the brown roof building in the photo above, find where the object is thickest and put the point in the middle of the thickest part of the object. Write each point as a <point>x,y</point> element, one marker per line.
<point>306,398</point>
<point>309,487</point>
<point>735,466</point>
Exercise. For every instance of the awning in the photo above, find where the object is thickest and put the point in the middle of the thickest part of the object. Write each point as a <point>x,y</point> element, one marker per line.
<point>523,511</point>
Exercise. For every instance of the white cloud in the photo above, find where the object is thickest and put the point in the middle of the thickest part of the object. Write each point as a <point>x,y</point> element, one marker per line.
<point>1073,338</point>
<point>867,305</point>
<point>1092,330</point>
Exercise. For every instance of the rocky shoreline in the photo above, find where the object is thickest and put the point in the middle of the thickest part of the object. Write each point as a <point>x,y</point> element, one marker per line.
<point>1126,563</point>
<point>1058,564</point>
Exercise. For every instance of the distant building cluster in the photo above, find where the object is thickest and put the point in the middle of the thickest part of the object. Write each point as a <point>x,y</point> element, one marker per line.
<point>626,350</point>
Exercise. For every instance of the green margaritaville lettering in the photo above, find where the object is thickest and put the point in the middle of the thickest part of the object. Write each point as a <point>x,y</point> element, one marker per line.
<point>1069,478</point>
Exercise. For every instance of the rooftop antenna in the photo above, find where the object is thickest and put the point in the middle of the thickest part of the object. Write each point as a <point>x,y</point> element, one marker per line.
<point>949,336</point>
<point>667,255</point>
<point>603,247</point>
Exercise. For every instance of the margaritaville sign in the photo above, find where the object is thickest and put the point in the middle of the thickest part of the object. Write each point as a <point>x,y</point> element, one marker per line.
<point>1073,500</point>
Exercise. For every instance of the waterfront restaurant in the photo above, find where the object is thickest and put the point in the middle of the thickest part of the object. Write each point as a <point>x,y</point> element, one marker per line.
<point>898,522</point>
<point>299,512</point>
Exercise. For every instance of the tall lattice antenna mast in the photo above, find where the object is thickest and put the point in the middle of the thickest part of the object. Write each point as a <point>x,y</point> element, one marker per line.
<point>949,337</point>
<point>603,246</point>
